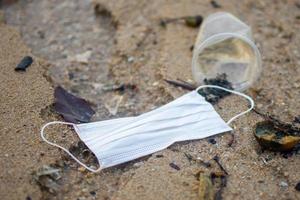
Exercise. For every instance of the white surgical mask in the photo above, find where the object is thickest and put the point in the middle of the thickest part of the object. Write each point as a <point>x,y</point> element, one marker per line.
<point>121,140</point>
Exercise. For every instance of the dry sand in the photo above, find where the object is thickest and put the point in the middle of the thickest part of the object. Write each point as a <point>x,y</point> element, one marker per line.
<point>157,53</point>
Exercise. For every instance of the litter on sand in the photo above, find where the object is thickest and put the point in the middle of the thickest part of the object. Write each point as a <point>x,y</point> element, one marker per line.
<point>24,64</point>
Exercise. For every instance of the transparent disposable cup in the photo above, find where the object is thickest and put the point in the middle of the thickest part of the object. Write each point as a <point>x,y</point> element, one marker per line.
<point>225,45</point>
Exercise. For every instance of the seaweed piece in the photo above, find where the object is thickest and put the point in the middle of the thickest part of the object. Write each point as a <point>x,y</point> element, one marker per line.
<point>24,63</point>
<point>72,108</point>
<point>213,95</point>
<point>223,183</point>
<point>205,190</point>
<point>275,138</point>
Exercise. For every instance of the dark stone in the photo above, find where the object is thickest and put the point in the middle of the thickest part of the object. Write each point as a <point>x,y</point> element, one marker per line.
<point>25,62</point>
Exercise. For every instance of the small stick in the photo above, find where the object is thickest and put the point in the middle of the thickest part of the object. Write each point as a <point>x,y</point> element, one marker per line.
<point>231,141</point>
<point>180,84</point>
<point>217,160</point>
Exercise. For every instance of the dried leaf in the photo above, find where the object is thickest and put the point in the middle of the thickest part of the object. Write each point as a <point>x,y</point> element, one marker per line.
<point>72,108</point>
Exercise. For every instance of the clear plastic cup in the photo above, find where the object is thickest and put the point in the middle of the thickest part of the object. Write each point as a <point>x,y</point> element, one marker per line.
<point>225,45</point>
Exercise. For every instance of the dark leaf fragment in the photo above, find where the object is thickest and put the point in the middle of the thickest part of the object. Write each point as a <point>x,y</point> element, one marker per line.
<point>25,62</point>
<point>174,166</point>
<point>215,4</point>
<point>72,108</point>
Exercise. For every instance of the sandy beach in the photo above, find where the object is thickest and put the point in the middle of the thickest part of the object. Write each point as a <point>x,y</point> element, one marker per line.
<point>128,46</point>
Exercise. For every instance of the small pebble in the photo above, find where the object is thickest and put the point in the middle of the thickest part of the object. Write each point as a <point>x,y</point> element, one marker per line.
<point>212,141</point>
<point>130,59</point>
<point>283,184</point>
<point>81,169</point>
<point>93,193</point>
<point>25,62</point>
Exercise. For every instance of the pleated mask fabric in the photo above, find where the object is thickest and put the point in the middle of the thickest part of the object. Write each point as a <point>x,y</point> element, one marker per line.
<point>117,141</point>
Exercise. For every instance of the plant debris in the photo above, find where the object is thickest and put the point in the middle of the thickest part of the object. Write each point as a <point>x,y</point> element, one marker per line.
<point>47,178</point>
<point>217,160</point>
<point>174,166</point>
<point>276,138</point>
<point>72,108</point>
<point>197,160</point>
<point>206,190</point>
<point>223,183</point>
<point>181,84</point>
<point>25,62</point>
<point>231,141</point>
<point>215,4</point>
<point>213,95</point>
<point>81,151</point>
<point>121,87</point>
<point>191,21</point>
<point>297,120</point>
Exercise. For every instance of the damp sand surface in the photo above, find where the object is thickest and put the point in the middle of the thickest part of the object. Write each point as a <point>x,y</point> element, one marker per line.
<point>127,45</point>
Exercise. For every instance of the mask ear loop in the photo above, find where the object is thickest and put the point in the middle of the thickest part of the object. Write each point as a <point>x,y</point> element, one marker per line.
<point>234,92</point>
<point>64,149</point>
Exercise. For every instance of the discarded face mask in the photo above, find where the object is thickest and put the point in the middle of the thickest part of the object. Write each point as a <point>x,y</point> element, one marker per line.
<point>121,140</point>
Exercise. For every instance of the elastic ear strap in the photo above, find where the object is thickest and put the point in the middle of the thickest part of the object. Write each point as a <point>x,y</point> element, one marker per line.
<point>64,149</point>
<point>234,92</point>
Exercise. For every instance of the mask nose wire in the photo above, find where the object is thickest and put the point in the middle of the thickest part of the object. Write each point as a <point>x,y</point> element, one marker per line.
<point>64,149</point>
<point>234,92</point>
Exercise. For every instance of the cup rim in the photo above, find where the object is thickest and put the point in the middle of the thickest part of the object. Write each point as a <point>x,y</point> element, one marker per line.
<point>225,35</point>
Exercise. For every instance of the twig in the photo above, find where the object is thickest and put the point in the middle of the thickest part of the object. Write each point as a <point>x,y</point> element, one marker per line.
<point>180,84</point>
<point>231,141</point>
<point>217,160</point>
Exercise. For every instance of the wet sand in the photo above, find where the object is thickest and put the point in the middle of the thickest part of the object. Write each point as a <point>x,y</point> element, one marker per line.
<point>143,53</point>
